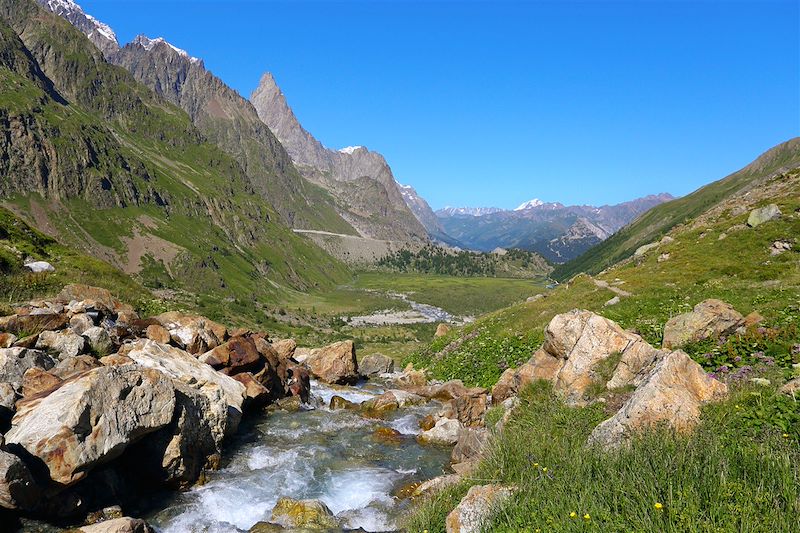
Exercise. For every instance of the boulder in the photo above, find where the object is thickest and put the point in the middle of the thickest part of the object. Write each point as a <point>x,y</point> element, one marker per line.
<point>239,354</point>
<point>118,525</point>
<point>61,343</point>
<point>116,359</point>
<point>14,362</point>
<point>96,297</point>
<point>32,323</point>
<point>7,340</point>
<point>436,484</point>
<point>38,267</point>
<point>80,322</point>
<point>195,334</point>
<point>8,398</point>
<point>475,509</point>
<point>642,250</point>
<point>303,514</point>
<point>780,246</point>
<point>613,301</point>
<point>391,400</point>
<point>409,378</point>
<point>470,409</point>
<point>671,394</point>
<point>298,382</point>
<point>71,430</point>
<point>448,390</point>
<point>255,394</point>
<point>98,340</point>
<point>442,330</point>
<point>709,319</point>
<point>470,444</point>
<point>18,490</point>
<point>157,333</point>
<point>763,214</point>
<point>71,366</point>
<point>36,381</point>
<point>376,364</point>
<point>182,366</point>
<point>444,433</point>
<point>285,348</point>
<point>335,364</point>
<point>337,402</point>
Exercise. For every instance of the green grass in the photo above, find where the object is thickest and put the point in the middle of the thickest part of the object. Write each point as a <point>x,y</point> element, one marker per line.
<point>727,476</point>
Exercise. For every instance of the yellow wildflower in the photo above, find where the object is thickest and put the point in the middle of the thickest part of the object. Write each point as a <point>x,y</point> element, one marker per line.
<point>536,465</point>
<point>587,517</point>
<point>785,435</point>
<point>573,514</point>
<point>659,506</point>
<point>544,469</point>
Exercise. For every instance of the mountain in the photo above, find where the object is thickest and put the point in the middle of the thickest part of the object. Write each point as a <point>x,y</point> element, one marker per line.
<point>361,181</point>
<point>101,35</point>
<point>420,208</point>
<point>109,167</point>
<point>663,218</point>
<point>230,121</point>
<point>557,232</point>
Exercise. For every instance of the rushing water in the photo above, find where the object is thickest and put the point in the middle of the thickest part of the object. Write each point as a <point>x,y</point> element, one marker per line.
<point>333,456</point>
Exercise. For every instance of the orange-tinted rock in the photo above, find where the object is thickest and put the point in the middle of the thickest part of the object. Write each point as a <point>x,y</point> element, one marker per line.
<point>37,381</point>
<point>158,333</point>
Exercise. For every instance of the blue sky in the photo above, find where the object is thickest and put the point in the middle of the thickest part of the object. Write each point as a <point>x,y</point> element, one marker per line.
<point>492,103</point>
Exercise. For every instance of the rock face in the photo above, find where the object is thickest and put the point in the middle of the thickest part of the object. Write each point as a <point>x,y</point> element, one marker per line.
<point>471,514</point>
<point>671,394</point>
<point>180,365</point>
<point>763,214</point>
<point>303,514</point>
<point>335,363</point>
<point>376,364</point>
<point>708,319</point>
<point>91,420</point>
<point>17,487</point>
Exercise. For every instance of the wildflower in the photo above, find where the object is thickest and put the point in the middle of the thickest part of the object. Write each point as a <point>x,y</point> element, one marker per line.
<point>738,406</point>
<point>659,506</point>
<point>536,465</point>
<point>785,435</point>
<point>587,517</point>
<point>573,514</point>
<point>544,469</point>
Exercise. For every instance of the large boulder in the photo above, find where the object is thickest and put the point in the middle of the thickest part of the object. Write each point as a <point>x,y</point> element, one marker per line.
<point>195,334</point>
<point>30,323</point>
<point>71,366</point>
<point>118,525</point>
<point>763,214</point>
<point>37,381</point>
<point>475,509</point>
<point>709,319</point>
<point>376,364</point>
<point>18,490</point>
<point>14,362</point>
<point>62,344</point>
<point>92,419</point>
<point>98,340</point>
<point>182,366</point>
<point>239,354</point>
<point>470,444</point>
<point>444,433</point>
<point>335,363</point>
<point>285,348</point>
<point>671,394</point>
<point>303,514</point>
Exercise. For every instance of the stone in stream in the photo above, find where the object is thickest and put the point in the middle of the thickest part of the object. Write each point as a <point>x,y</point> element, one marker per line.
<point>303,514</point>
<point>337,402</point>
<point>118,525</point>
<point>335,363</point>
<point>376,364</point>
<point>444,433</point>
<point>70,431</point>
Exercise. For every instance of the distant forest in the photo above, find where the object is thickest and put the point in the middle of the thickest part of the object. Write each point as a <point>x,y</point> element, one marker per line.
<point>436,260</point>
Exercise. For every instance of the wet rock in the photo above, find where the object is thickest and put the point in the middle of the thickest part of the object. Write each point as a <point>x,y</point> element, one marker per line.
<point>470,444</point>
<point>376,364</point>
<point>61,343</point>
<point>36,381</point>
<point>391,400</point>
<point>337,402</point>
<point>285,348</point>
<point>118,525</point>
<point>436,484</point>
<point>298,382</point>
<point>70,430</point>
<point>442,330</point>
<point>14,362</point>
<point>762,215</point>
<point>474,510</point>
<point>709,319</point>
<point>427,422</point>
<point>388,435</point>
<point>7,340</point>
<point>157,333</point>
<point>671,394</point>
<point>18,490</point>
<point>80,323</point>
<point>71,366</point>
<point>470,409</point>
<point>255,394</point>
<point>39,266</point>
<point>444,433</point>
<point>308,514</point>
<point>266,527</point>
<point>98,340</point>
<point>290,403</point>
<point>181,365</point>
<point>195,334</point>
<point>335,364</point>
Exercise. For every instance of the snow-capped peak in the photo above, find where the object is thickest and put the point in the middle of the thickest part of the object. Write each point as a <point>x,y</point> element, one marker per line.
<point>350,149</point>
<point>103,29</point>
<point>93,28</point>
<point>148,44</point>
<point>529,204</point>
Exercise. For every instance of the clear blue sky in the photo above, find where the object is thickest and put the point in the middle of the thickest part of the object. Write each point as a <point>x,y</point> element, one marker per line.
<point>492,103</point>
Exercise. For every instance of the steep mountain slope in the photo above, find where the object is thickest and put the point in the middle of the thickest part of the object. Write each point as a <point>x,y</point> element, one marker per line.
<point>420,208</point>
<point>101,35</point>
<point>558,232</point>
<point>362,182</point>
<point>96,158</point>
<point>661,219</point>
<point>231,122</point>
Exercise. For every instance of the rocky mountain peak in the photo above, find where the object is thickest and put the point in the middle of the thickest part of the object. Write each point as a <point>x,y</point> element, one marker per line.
<point>101,35</point>
<point>530,204</point>
<point>149,44</point>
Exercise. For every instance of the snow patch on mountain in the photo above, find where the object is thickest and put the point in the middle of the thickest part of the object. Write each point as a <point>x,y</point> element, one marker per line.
<point>350,149</point>
<point>529,204</point>
<point>148,44</point>
<point>448,211</point>
<point>99,33</point>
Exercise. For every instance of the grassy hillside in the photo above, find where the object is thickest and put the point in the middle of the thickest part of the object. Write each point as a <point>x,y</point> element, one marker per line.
<point>661,219</point>
<point>111,169</point>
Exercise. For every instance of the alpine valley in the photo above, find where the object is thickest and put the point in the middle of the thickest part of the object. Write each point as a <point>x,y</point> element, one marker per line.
<point>210,322</point>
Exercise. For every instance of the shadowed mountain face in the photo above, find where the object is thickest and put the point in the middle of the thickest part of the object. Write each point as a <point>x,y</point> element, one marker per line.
<point>361,180</point>
<point>557,232</point>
